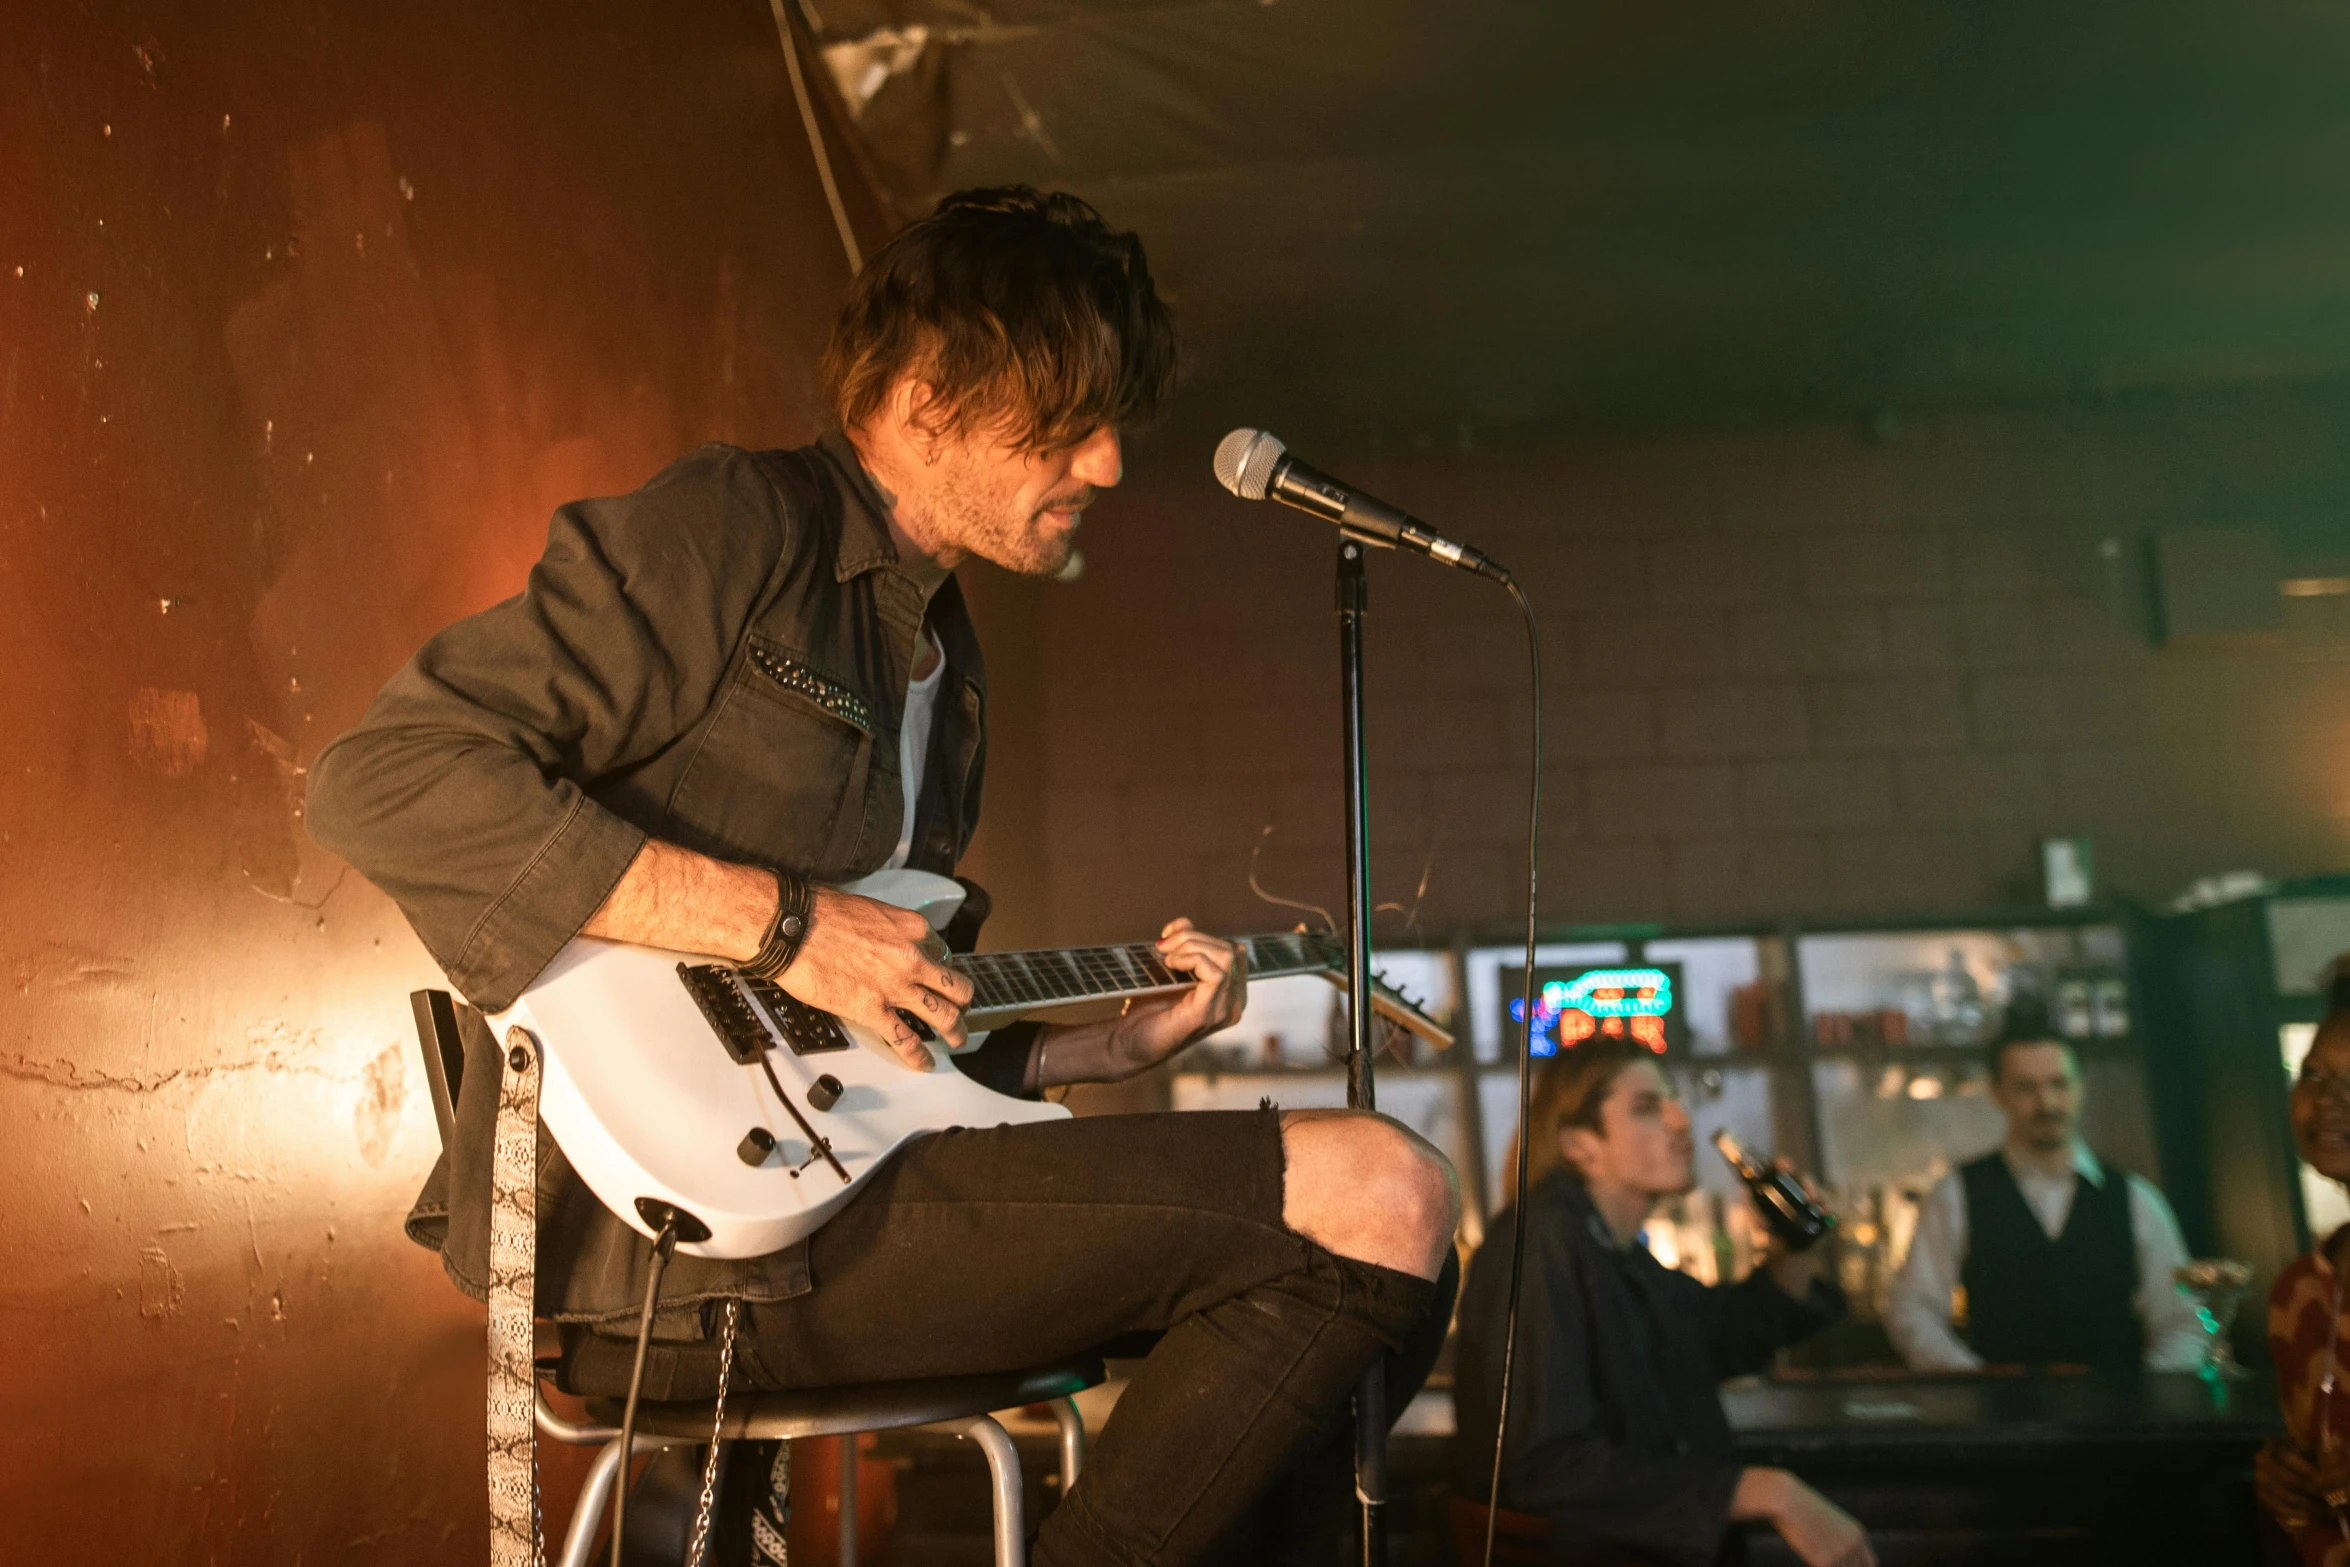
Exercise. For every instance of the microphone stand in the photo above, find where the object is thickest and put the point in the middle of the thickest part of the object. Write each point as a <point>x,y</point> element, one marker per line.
<point>1361,1091</point>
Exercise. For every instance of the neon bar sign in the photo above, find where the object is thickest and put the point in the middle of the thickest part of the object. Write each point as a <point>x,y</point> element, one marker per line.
<point>1611,1002</point>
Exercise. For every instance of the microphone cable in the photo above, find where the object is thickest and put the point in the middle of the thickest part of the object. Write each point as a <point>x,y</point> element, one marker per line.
<point>1509,1340</point>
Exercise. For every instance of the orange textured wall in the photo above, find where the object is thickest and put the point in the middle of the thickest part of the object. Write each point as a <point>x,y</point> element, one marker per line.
<point>309,314</point>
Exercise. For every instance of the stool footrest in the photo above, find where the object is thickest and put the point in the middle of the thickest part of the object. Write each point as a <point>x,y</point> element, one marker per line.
<point>873,1406</point>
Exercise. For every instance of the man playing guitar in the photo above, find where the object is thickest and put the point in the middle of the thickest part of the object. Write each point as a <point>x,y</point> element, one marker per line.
<point>755,677</point>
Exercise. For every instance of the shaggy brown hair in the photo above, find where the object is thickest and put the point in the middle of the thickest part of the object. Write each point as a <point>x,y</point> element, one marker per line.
<point>1025,314</point>
<point>1569,1090</point>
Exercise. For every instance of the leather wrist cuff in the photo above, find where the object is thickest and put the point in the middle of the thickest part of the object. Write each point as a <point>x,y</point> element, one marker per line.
<point>785,932</point>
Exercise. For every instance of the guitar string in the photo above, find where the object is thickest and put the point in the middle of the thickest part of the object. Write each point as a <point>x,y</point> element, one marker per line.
<point>1048,977</point>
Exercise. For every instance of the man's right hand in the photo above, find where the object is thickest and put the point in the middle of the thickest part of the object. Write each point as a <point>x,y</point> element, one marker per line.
<point>862,961</point>
<point>1815,1529</point>
<point>865,962</point>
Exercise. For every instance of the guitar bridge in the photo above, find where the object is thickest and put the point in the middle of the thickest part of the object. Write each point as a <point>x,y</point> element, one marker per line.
<point>727,1010</point>
<point>748,1015</point>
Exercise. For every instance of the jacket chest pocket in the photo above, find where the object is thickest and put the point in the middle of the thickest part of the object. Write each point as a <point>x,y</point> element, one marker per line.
<point>780,774</point>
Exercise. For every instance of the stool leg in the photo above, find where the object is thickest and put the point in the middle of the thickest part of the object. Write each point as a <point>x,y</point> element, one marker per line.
<point>580,1540</point>
<point>1072,1427</point>
<point>595,1494</point>
<point>1003,1468</point>
<point>848,1500</point>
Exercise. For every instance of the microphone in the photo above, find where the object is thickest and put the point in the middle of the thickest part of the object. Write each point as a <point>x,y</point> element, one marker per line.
<point>1254,466</point>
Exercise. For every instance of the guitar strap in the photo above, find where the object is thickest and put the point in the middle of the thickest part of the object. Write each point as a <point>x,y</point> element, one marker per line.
<point>516,1536</point>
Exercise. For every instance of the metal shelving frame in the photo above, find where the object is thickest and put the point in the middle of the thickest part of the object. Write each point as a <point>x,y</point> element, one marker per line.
<point>1792,1056</point>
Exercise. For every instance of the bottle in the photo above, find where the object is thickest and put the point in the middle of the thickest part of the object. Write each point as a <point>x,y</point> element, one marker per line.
<point>1798,1221</point>
<point>1957,1003</point>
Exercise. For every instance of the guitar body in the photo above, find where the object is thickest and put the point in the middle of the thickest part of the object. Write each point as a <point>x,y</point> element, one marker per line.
<point>647,1101</point>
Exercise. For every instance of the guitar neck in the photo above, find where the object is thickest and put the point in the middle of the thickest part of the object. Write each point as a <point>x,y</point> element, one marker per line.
<point>1010,983</point>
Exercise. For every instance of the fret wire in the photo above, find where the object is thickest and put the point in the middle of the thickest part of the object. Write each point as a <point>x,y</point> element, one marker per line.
<point>1054,975</point>
<point>1016,976</point>
<point>965,966</point>
<point>987,986</point>
<point>1115,979</point>
<point>1048,978</point>
<point>1043,977</point>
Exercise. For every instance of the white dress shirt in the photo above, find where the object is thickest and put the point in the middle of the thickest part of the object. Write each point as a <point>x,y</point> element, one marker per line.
<point>1917,1310</point>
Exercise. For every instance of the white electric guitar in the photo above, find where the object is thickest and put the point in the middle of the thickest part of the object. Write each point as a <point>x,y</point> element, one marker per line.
<point>674,1082</point>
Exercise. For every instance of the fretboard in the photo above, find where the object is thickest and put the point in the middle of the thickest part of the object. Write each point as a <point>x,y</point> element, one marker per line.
<point>1009,983</point>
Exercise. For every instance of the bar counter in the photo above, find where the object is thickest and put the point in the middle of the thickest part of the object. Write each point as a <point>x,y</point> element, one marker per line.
<point>2020,1469</point>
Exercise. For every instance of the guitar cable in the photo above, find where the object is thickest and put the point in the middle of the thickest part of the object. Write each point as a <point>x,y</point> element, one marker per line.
<point>1509,1340</point>
<point>664,1245</point>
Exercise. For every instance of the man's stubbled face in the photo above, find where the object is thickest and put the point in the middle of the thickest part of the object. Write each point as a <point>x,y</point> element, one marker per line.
<point>2039,1088</point>
<point>1018,509</point>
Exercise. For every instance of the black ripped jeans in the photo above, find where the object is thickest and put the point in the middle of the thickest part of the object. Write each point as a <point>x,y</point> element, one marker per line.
<point>993,1250</point>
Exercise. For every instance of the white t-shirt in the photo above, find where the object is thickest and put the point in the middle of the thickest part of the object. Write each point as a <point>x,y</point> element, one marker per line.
<point>914,742</point>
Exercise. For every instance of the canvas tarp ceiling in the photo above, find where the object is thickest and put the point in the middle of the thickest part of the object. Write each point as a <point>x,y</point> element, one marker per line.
<point>1407,220</point>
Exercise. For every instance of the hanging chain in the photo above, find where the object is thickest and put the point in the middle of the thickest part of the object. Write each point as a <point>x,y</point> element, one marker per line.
<point>693,1553</point>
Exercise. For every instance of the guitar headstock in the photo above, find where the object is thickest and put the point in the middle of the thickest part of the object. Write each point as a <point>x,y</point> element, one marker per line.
<point>1387,1001</point>
<point>1404,1011</point>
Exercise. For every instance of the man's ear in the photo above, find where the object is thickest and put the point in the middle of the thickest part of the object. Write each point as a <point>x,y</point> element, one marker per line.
<point>914,404</point>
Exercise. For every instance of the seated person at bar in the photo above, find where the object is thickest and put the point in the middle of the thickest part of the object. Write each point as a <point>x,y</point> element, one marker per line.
<point>1617,1438</point>
<point>2303,1477</point>
<point>2066,1260</point>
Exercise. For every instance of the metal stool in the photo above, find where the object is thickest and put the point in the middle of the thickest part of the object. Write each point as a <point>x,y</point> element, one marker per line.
<point>962,1405</point>
<point>965,1406</point>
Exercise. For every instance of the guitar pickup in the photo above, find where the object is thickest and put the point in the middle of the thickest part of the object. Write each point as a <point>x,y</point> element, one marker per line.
<point>807,1030</point>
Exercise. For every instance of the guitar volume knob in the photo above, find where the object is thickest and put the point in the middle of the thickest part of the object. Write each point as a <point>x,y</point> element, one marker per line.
<point>825,1092</point>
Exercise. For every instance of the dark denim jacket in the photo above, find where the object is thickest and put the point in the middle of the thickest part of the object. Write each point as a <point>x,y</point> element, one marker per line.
<point>1617,1435</point>
<point>718,660</point>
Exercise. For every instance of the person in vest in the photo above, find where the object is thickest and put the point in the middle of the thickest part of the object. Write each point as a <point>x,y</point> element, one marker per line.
<point>2065,1259</point>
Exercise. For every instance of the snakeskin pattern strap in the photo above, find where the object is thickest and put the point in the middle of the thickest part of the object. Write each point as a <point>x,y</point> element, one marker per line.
<point>516,1538</point>
<point>771,1514</point>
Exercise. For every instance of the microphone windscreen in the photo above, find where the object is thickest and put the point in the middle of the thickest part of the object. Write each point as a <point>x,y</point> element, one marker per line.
<point>1244,463</point>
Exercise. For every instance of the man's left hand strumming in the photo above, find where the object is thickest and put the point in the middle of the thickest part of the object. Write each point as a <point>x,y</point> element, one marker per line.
<point>1148,1032</point>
